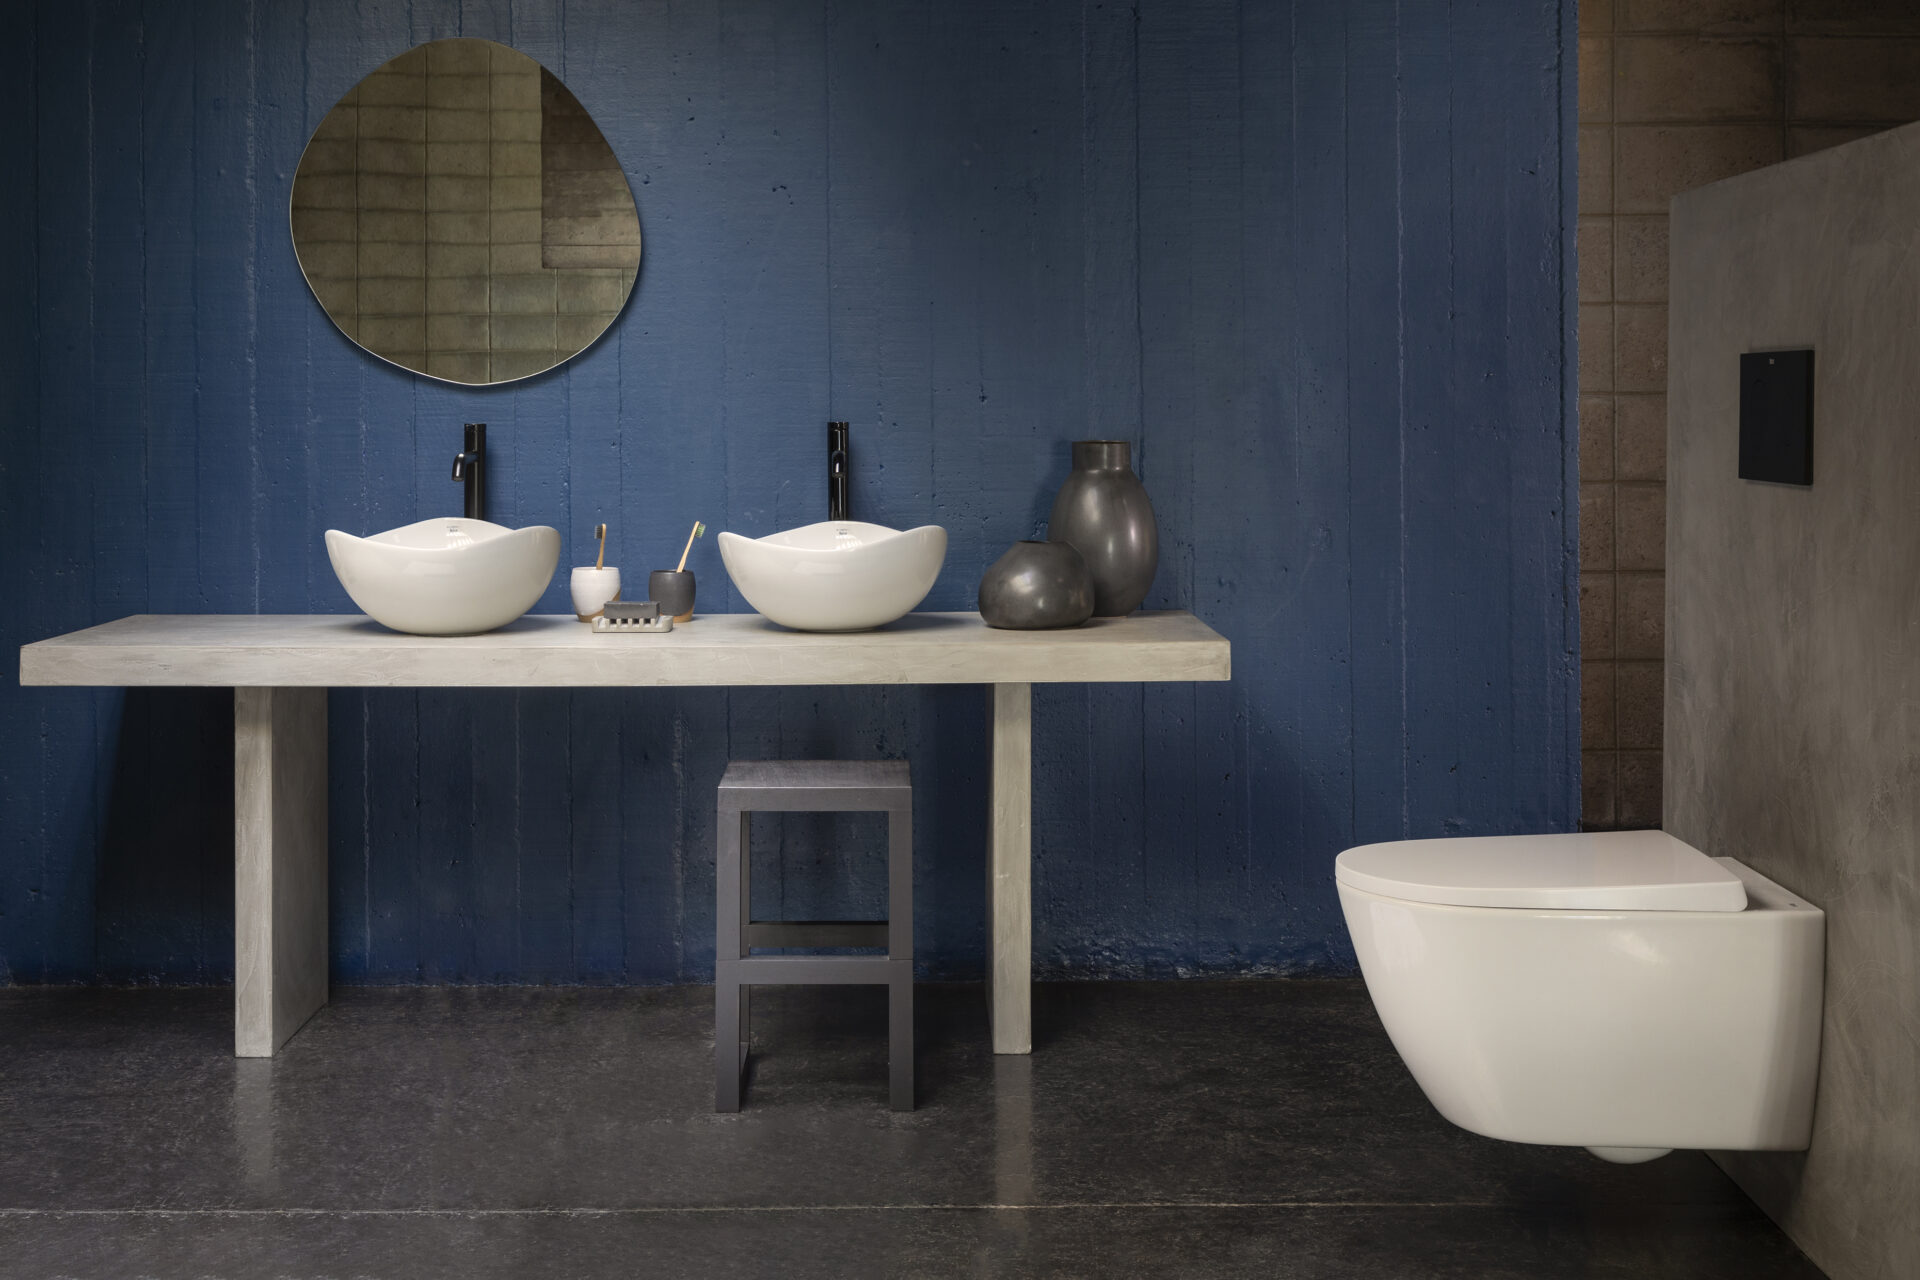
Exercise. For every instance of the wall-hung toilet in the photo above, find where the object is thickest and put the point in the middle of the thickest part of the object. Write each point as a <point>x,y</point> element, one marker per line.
<point>1619,991</point>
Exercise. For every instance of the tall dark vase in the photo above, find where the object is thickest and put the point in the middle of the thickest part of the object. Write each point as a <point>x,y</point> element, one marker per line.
<point>1104,512</point>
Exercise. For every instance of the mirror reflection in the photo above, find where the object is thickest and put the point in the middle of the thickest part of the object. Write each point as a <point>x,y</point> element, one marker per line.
<point>459,214</point>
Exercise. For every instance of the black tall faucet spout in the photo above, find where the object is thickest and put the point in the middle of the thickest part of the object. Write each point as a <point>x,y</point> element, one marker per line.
<point>470,466</point>
<point>837,471</point>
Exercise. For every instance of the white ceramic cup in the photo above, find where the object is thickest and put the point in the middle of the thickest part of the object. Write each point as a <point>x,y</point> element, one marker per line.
<point>592,589</point>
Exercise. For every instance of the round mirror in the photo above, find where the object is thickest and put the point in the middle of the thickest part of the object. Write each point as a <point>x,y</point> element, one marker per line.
<point>459,214</point>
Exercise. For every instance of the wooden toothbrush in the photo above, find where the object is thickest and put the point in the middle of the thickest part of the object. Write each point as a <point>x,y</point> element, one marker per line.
<point>698,529</point>
<point>600,532</point>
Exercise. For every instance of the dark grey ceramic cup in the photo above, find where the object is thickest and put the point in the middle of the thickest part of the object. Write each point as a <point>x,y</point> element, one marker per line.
<point>672,590</point>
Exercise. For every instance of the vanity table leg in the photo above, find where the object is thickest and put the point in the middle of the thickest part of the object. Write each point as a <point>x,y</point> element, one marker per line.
<point>1010,869</point>
<point>279,865</point>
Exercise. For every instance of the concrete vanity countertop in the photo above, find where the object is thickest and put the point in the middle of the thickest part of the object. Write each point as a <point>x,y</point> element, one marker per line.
<point>555,650</point>
<point>280,667</point>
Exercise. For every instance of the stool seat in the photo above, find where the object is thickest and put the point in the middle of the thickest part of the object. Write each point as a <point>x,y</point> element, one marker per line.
<point>801,786</point>
<point>830,786</point>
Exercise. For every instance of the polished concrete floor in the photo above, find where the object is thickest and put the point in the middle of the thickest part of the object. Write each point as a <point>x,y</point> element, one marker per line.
<point>1210,1129</point>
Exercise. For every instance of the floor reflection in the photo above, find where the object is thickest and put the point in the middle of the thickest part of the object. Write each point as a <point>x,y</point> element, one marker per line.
<point>254,1121</point>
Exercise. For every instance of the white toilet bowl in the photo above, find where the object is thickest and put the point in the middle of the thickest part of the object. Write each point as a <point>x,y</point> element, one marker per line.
<point>1619,991</point>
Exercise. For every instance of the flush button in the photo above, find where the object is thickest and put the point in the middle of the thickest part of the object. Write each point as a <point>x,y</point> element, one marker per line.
<point>1776,416</point>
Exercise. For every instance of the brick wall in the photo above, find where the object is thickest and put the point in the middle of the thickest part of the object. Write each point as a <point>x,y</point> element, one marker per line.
<point>1675,94</point>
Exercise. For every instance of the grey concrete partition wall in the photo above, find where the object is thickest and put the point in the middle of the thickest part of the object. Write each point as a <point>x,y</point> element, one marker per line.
<point>1793,644</point>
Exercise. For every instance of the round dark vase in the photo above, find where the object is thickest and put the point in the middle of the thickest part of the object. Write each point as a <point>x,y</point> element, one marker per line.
<point>1037,586</point>
<point>672,590</point>
<point>1104,512</point>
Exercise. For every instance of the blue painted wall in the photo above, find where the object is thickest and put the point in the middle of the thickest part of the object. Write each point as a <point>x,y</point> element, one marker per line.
<point>1314,259</point>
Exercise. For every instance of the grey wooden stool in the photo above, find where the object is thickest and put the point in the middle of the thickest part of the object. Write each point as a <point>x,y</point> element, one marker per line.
<point>818,786</point>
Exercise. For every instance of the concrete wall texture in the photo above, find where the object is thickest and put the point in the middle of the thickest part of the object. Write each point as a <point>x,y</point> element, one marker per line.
<point>1315,260</point>
<point>1793,645</point>
<point>1675,93</point>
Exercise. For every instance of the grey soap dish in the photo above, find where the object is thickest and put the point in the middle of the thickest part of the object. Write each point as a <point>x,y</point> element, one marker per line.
<point>642,615</point>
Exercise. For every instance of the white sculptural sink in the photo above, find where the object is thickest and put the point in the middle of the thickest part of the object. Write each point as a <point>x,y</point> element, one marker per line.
<point>840,575</point>
<point>446,577</point>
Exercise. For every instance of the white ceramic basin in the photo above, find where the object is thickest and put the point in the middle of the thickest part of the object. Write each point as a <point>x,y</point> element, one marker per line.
<point>446,577</point>
<point>840,575</point>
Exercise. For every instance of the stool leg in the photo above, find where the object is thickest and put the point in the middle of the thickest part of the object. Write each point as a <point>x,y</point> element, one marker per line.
<point>745,916</point>
<point>729,1012</point>
<point>900,1037</point>
<point>726,1044</point>
<point>900,957</point>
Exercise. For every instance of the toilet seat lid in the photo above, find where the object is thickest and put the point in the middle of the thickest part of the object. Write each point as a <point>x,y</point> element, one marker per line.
<point>1589,871</point>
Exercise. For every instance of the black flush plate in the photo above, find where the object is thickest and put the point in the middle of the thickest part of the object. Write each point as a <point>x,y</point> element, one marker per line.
<point>1776,416</point>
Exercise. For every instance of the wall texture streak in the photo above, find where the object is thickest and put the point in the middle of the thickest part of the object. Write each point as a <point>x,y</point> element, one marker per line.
<point>1793,646</point>
<point>1314,259</point>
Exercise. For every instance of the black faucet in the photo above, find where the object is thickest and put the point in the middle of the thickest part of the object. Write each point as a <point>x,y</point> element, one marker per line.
<point>837,471</point>
<point>470,465</point>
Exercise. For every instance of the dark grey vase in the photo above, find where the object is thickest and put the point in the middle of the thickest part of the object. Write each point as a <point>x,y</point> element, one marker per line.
<point>1037,586</point>
<point>1104,512</point>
